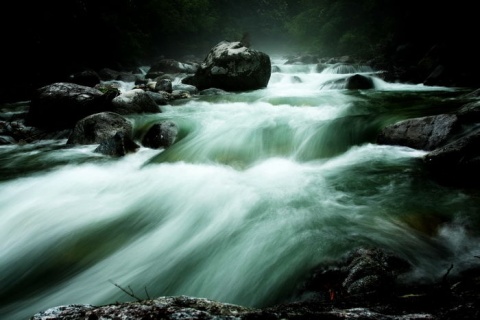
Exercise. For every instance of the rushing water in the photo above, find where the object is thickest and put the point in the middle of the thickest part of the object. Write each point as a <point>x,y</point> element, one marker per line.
<point>261,187</point>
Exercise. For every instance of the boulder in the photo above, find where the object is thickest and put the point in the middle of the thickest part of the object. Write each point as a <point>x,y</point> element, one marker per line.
<point>425,133</point>
<point>359,82</point>
<point>98,127</point>
<point>61,105</point>
<point>185,87</point>
<point>134,101</point>
<point>233,67</point>
<point>164,85</point>
<point>160,98</point>
<point>160,135</point>
<point>366,273</point>
<point>117,146</point>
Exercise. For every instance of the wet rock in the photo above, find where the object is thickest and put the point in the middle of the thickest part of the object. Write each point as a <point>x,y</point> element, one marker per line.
<point>364,273</point>
<point>117,146</point>
<point>4,140</point>
<point>213,92</point>
<point>449,299</point>
<point>98,127</point>
<point>458,162</point>
<point>164,85</point>
<point>180,94</point>
<point>18,132</point>
<point>134,101</point>
<point>185,87</point>
<point>181,307</point>
<point>160,98</point>
<point>425,133</point>
<point>470,112</point>
<point>359,82</point>
<point>233,67</point>
<point>161,135</point>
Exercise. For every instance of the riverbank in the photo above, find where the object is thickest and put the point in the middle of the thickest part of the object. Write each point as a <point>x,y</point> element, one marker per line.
<point>450,298</point>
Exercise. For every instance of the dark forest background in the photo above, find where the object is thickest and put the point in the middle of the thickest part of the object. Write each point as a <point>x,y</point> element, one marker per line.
<point>44,41</point>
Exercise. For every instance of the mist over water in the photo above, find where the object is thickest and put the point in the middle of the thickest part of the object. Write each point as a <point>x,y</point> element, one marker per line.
<point>261,187</point>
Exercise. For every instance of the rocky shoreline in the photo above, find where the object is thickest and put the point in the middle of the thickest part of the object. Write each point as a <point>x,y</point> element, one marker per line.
<point>365,285</point>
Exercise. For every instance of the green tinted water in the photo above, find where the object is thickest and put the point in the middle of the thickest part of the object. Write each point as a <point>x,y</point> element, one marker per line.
<point>259,188</point>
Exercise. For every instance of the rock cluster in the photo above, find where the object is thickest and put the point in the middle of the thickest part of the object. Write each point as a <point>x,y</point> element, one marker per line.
<point>90,109</point>
<point>451,140</point>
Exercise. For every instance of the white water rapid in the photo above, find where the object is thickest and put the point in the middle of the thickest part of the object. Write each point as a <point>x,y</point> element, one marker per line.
<point>262,187</point>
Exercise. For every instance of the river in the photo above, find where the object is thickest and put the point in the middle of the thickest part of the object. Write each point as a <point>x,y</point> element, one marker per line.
<point>261,187</point>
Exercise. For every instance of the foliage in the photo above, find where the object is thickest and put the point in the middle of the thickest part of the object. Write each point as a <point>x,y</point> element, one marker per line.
<point>65,36</point>
<point>341,27</point>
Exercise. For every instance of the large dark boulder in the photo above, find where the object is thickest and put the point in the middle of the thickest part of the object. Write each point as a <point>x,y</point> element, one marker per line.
<point>233,67</point>
<point>425,133</point>
<point>359,82</point>
<point>61,105</point>
<point>99,127</point>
